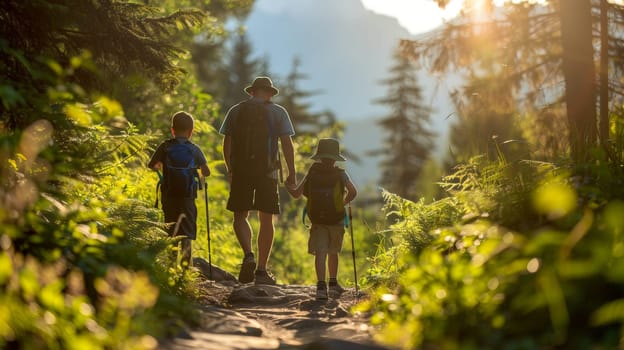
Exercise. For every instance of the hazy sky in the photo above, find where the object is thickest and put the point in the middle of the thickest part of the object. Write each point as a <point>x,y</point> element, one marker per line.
<point>417,16</point>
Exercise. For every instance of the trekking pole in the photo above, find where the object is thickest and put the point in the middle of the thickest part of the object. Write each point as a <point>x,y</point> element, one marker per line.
<point>208,228</point>
<point>353,252</point>
<point>158,185</point>
<point>281,175</point>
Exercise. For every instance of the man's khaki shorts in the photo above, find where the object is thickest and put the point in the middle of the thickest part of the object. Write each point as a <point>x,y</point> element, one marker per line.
<point>325,239</point>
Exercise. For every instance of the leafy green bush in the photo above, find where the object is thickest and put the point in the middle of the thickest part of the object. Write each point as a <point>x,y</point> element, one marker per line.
<point>77,255</point>
<point>512,260</point>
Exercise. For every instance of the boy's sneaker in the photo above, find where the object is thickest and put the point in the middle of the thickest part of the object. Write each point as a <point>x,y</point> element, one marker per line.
<point>248,266</point>
<point>264,277</point>
<point>336,289</point>
<point>321,291</point>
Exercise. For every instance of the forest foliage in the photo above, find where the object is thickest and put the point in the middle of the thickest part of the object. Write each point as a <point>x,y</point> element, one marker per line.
<point>525,251</point>
<point>520,246</point>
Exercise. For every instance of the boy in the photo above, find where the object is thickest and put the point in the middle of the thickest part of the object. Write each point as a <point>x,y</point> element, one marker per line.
<point>179,159</point>
<point>324,187</point>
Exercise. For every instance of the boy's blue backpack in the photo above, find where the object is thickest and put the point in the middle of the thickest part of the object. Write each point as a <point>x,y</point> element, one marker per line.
<point>325,188</point>
<point>180,177</point>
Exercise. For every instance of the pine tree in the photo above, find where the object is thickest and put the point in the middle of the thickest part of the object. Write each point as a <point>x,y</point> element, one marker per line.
<point>545,54</point>
<point>122,39</point>
<point>209,46</point>
<point>292,98</point>
<point>481,127</point>
<point>408,142</point>
<point>240,71</point>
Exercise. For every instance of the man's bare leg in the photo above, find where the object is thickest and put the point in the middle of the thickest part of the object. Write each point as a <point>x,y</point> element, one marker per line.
<point>243,234</point>
<point>243,230</point>
<point>265,239</point>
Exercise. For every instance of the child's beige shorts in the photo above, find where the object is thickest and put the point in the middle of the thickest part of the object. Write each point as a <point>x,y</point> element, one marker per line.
<point>325,238</point>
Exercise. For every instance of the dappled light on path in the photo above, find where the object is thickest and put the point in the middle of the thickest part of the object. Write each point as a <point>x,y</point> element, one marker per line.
<point>272,317</point>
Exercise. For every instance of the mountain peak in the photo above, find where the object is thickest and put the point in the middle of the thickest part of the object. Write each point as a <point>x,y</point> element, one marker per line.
<point>344,49</point>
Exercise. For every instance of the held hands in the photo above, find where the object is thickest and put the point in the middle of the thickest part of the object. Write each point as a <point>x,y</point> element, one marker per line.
<point>291,180</point>
<point>291,186</point>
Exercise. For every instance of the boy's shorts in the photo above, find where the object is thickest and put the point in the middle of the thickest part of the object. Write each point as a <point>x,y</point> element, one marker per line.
<point>325,239</point>
<point>248,192</point>
<point>173,207</point>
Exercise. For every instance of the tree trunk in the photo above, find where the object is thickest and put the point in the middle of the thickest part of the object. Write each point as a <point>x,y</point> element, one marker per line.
<point>579,75</point>
<point>604,74</point>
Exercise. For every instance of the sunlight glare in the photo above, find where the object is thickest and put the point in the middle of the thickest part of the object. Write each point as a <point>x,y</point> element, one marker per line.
<point>502,2</point>
<point>419,16</point>
<point>478,9</point>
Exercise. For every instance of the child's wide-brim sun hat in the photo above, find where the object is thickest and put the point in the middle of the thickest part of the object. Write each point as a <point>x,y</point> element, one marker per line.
<point>328,148</point>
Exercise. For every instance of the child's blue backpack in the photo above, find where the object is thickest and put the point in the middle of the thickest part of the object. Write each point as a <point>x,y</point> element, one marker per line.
<point>324,188</point>
<point>180,177</point>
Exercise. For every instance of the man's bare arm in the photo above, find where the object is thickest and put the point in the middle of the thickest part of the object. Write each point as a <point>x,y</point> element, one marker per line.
<point>289,155</point>
<point>227,152</point>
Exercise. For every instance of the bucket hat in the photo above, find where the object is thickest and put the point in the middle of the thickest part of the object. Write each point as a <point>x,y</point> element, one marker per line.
<point>328,148</point>
<point>262,83</point>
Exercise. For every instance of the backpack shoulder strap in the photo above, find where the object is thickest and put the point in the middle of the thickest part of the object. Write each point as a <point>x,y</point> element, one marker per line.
<point>311,173</point>
<point>315,168</point>
<point>170,142</point>
<point>250,102</point>
<point>340,171</point>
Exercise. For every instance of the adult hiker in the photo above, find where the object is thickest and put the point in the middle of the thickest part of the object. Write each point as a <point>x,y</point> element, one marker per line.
<point>328,190</point>
<point>179,159</point>
<point>252,130</point>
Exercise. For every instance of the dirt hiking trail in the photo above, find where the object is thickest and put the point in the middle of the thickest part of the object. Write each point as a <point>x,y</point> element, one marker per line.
<point>236,316</point>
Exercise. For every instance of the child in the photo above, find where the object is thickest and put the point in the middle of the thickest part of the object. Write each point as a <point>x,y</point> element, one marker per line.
<point>324,187</point>
<point>179,160</point>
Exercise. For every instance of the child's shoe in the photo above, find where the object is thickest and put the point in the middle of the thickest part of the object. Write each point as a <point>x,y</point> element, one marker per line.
<point>321,291</point>
<point>335,289</point>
